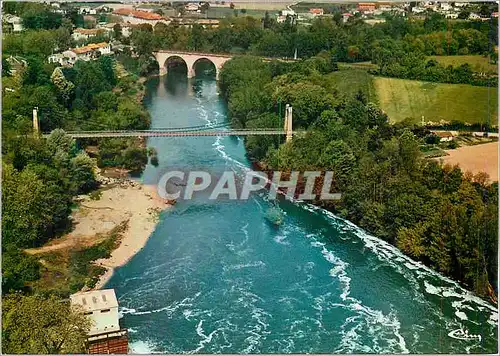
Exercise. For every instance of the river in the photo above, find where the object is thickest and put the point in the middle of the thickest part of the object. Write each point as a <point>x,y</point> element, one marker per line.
<point>216,277</point>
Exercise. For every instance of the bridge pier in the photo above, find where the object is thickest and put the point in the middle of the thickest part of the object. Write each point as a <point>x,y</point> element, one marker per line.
<point>163,71</point>
<point>191,73</point>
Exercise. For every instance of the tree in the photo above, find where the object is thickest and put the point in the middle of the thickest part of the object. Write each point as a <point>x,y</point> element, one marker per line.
<point>59,141</point>
<point>6,68</point>
<point>143,40</point>
<point>117,31</point>
<point>204,7</point>
<point>64,87</point>
<point>37,325</point>
<point>17,269</point>
<point>107,66</point>
<point>135,159</point>
<point>82,173</point>
<point>28,208</point>
<point>40,16</point>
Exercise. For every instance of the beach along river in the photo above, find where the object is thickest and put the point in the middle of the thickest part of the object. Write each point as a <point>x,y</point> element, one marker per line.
<point>217,277</point>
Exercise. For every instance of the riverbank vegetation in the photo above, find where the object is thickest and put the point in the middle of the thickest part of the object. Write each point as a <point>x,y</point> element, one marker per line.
<point>436,214</point>
<point>399,46</point>
<point>42,177</point>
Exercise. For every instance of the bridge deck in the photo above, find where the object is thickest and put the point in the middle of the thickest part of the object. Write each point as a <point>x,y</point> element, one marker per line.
<point>153,133</point>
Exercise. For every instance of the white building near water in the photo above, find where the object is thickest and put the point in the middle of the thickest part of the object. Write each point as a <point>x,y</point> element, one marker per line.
<point>101,306</point>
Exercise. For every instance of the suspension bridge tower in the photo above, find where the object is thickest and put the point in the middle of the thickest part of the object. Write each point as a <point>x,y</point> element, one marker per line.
<point>288,122</point>
<point>36,128</point>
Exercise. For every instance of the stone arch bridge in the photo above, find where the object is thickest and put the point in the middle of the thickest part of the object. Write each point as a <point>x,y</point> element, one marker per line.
<point>191,59</point>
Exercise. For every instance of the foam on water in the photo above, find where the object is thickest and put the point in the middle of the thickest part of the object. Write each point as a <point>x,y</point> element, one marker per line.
<point>459,298</point>
<point>205,339</point>
<point>143,347</point>
<point>247,325</point>
<point>374,320</point>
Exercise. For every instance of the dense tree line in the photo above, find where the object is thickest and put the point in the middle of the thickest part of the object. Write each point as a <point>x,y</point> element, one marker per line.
<point>350,42</point>
<point>434,213</point>
<point>40,177</point>
<point>398,59</point>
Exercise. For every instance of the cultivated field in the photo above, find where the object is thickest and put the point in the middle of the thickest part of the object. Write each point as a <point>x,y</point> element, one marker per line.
<point>349,81</point>
<point>477,62</point>
<point>401,98</point>
<point>479,158</point>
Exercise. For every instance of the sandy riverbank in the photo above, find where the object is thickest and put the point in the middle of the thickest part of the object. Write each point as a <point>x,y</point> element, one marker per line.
<point>130,203</point>
<point>141,206</point>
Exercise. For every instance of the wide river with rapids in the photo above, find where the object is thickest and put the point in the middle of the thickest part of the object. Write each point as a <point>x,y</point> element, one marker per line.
<point>217,277</point>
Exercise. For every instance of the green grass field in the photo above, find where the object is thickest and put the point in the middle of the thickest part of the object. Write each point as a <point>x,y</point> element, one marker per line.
<point>350,81</point>
<point>401,98</point>
<point>477,62</point>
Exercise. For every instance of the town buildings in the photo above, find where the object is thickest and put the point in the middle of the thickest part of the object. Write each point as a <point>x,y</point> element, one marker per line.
<point>84,53</point>
<point>366,7</point>
<point>192,7</point>
<point>316,12</point>
<point>84,34</point>
<point>139,16</point>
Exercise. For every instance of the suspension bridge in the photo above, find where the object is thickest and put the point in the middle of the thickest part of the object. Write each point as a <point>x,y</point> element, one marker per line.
<point>217,129</point>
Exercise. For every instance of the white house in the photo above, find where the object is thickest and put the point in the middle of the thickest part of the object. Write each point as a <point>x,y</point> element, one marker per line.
<point>14,22</point>
<point>84,53</point>
<point>66,58</point>
<point>85,34</point>
<point>192,7</point>
<point>346,16</point>
<point>280,19</point>
<point>136,17</point>
<point>451,15</point>
<point>417,10</point>
<point>105,335</point>
<point>101,306</point>
<point>474,16</point>
<point>87,11</point>
<point>461,3</point>
<point>444,136</point>
<point>444,6</point>
<point>287,12</point>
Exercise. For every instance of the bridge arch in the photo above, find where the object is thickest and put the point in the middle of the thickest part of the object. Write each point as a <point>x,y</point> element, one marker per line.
<point>173,60</point>
<point>204,60</point>
<point>190,58</point>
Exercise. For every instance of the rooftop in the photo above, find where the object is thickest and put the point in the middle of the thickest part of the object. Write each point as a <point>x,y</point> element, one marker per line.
<point>84,31</point>
<point>89,47</point>
<point>95,300</point>
<point>140,14</point>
